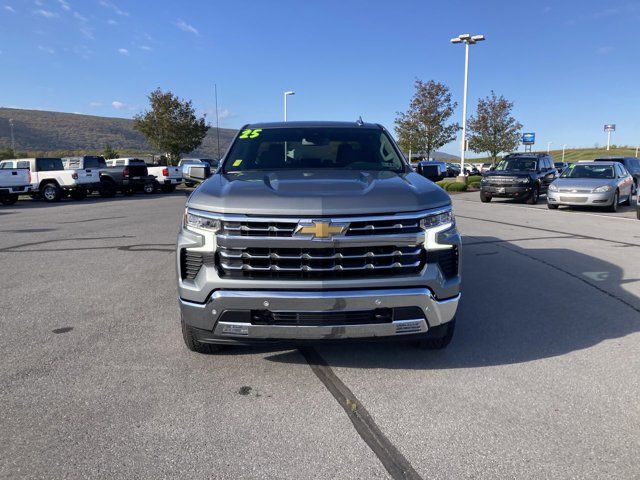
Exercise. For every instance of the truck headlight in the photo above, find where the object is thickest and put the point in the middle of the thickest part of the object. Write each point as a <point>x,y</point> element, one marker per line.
<point>200,221</point>
<point>553,188</point>
<point>437,220</point>
<point>602,189</point>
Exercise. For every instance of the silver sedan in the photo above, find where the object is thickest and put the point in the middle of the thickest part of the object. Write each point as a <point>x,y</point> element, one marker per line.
<point>591,184</point>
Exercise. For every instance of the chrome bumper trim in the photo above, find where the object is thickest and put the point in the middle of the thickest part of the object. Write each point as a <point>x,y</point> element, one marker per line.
<point>206,316</point>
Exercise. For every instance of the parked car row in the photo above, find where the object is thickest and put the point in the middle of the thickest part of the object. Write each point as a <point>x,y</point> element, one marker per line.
<point>603,182</point>
<point>51,179</point>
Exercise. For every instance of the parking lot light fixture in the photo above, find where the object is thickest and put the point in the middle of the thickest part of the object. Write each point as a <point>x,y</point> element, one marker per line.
<point>563,148</point>
<point>286,94</point>
<point>549,146</point>
<point>467,39</point>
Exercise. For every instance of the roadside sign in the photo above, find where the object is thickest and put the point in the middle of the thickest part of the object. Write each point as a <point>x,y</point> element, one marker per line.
<point>528,138</point>
<point>610,127</point>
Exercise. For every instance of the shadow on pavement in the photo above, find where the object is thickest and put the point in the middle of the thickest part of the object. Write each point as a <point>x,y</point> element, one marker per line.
<point>518,305</point>
<point>26,202</point>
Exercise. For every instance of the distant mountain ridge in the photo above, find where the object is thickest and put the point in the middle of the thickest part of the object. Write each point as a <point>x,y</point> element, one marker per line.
<point>56,133</point>
<point>37,131</point>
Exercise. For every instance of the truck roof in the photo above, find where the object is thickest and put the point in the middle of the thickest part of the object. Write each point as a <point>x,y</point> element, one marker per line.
<point>310,124</point>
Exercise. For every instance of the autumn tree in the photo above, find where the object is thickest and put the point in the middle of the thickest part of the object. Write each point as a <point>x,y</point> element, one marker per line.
<point>171,125</point>
<point>424,126</point>
<point>493,129</point>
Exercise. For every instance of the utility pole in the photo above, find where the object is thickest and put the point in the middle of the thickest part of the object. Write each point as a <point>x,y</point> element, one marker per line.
<point>215,87</point>
<point>467,39</point>
<point>549,146</point>
<point>563,147</point>
<point>13,143</point>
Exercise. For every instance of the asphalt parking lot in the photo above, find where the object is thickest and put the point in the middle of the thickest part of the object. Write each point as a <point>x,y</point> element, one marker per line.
<point>540,381</point>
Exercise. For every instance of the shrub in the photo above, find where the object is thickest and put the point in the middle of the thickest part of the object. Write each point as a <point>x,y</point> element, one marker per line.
<point>443,183</point>
<point>474,178</point>
<point>456,187</point>
<point>475,185</point>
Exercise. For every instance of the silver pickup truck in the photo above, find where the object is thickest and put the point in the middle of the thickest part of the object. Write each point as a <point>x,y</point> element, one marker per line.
<point>317,231</point>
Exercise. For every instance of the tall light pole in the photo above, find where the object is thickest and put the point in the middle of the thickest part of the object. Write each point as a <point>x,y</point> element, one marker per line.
<point>563,147</point>
<point>549,146</point>
<point>467,39</point>
<point>286,94</point>
<point>13,143</point>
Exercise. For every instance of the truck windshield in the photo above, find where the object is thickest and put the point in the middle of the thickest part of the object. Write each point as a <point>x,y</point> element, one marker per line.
<point>517,164</point>
<point>49,164</point>
<point>310,148</point>
<point>588,171</point>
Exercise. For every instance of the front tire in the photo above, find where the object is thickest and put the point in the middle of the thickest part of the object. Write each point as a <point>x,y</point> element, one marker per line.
<point>168,188</point>
<point>188,335</point>
<point>552,206</point>
<point>535,195</point>
<point>614,205</point>
<point>9,199</point>
<point>442,335</point>
<point>107,189</point>
<point>51,192</point>
<point>484,198</point>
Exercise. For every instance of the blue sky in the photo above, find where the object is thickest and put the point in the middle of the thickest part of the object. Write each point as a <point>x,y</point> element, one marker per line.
<point>569,66</point>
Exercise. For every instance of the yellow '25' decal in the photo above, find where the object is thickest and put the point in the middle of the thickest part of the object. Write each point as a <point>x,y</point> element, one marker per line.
<point>248,133</point>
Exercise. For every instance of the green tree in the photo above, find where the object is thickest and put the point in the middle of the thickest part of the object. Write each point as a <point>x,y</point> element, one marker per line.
<point>424,125</point>
<point>7,153</point>
<point>171,125</point>
<point>493,129</point>
<point>109,152</point>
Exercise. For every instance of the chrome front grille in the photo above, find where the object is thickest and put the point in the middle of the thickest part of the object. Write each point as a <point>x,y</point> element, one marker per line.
<point>320,263</point>
<point>258,228</point>
<point>573,190</point>
<point>287,228</point>
<point>574,199</point>
<point>501,180</point>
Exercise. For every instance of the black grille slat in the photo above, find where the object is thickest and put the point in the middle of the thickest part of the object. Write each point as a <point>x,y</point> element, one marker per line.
<point>447,260</point>
<point>191,262</point>
<point>308,319</point>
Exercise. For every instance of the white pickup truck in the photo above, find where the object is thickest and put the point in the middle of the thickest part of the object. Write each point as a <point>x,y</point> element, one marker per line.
<point>51,181</point>
<point>167,178</point>
<point>13,182</point>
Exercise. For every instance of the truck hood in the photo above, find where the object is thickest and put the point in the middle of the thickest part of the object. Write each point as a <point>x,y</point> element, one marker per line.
<point>317,192</point>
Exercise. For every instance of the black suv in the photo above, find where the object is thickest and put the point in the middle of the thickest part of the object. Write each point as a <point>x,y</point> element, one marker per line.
<point>632,164</point>
<point>519,175</point>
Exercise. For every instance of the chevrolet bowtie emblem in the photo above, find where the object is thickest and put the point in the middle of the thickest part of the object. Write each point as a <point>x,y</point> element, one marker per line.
<point>321,229</point>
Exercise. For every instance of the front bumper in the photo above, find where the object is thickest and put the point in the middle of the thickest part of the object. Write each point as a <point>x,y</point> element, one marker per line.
<point>172,181</point>
<point>213,323</point>
<point>507,191</point>
<point>581,199</point>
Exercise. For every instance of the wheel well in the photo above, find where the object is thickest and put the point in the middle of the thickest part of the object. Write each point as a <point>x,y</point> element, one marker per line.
<point>48,180</point>
<point>104,178</point>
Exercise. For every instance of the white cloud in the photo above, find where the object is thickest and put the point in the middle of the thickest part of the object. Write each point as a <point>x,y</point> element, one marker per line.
<point>65,5</point>
<point>45,13</point>
<point>123,51</point>
<point>95,104</point>
<point>112,22</point>
<point>87,32</point>
<point>114,7</point>
<point>119,105</point>
<point>9,8</point>
<point>604,50</point>
<point>182,25</point>
<point>224,113</point>
<point>79,17</point>
<point>146,48</point>
<point>46,49</point>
